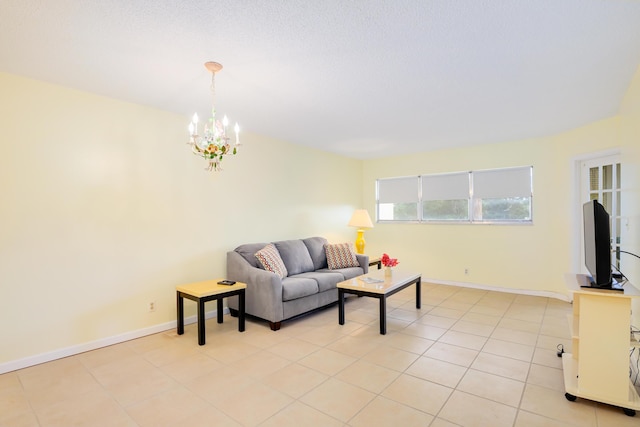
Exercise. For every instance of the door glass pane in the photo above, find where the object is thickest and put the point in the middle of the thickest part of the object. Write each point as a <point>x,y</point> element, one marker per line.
<point>607,177</point>
<point>618,202</point>
<point>618,169</point>
<point>594,178</point>
<point>593,196</point>
<point>606,201</point>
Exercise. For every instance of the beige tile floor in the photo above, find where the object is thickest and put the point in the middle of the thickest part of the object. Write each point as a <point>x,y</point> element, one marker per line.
<point>468,358</point>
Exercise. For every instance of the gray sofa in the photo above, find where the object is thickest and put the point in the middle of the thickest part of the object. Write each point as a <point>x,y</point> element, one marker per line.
<point>309,284</point>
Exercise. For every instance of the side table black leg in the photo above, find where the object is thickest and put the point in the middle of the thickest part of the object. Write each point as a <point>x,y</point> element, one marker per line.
<point>383,315</point>
<point>340,306</point>
<point>180,313</point>
<point>201,339</point>
<point>220,310</point>
<point>241,303</point>
<point>418,293</point>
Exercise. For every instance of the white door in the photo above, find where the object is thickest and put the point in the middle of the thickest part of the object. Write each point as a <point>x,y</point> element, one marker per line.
<point>600,180</point>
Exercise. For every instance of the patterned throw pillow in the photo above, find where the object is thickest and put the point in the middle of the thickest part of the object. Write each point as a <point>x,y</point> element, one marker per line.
<point>340,255</point>
<point>270,259</point>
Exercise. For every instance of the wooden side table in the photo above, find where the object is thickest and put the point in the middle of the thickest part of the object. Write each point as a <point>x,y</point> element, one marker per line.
<point>201,292</point>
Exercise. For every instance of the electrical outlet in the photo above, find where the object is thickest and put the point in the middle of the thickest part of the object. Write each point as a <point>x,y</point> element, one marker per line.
<point>466,271</point>
<point>152,306</point>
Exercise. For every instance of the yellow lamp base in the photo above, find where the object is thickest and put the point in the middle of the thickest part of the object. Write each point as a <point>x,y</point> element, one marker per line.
<point>360,242</point>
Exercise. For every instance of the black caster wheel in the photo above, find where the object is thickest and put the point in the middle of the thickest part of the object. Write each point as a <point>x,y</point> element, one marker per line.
<point>570,397</point>
<point>629,412</point>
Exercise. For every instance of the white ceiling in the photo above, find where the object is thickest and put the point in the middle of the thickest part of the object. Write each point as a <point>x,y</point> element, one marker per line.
<point>363,78</point>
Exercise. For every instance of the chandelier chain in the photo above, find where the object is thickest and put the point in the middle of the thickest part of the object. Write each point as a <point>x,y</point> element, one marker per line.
<point>213,93</point>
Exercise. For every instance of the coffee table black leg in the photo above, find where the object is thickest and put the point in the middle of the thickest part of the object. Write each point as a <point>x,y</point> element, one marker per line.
<point>201,339</point>
<point>220,310</point>
<point>418,293</point>
<point>340,306</point>
<point>180,311</point>
<point>241,303</point>
<point>383,315</point>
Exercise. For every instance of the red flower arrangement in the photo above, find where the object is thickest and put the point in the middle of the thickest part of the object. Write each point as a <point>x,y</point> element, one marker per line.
<point>389,262</point>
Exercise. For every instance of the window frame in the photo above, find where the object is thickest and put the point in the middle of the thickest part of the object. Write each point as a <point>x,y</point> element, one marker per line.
<point>524,190</point>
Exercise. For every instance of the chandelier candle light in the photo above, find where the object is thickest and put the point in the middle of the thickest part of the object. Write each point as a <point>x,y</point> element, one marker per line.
<point>213,144</point>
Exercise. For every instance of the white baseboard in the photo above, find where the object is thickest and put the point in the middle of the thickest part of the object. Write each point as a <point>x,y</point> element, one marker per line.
<point>547,294</point>
<point>92,345</point>
<point>14,365</point>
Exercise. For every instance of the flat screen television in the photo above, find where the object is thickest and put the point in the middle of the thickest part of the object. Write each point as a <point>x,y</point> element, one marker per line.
<point>597,245</point>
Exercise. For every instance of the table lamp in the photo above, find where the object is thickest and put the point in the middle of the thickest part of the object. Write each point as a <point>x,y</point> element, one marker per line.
<point>361,221</point>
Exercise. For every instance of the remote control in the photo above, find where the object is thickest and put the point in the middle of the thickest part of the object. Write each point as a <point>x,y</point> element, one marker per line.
<point>226,282</point>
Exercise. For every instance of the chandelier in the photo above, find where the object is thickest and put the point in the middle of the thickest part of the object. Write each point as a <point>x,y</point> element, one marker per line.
<point>213,144</point>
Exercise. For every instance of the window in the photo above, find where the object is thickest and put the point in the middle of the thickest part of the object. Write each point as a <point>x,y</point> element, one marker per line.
<point>398,199</point>
<point>445,197</point>
<point>502,195</point>
<point>489,196</point>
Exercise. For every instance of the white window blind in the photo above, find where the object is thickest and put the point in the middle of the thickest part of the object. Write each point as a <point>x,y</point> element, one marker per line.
<point>454,186</point>
<point>398,190</point>
<point>486,196</point>
<point>502,183</point>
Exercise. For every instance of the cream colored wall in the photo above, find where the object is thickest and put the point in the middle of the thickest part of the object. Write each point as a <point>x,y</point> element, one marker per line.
<point>532,258</point>
<point>104,209</point>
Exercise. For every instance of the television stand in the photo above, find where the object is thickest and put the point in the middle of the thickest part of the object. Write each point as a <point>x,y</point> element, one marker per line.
<point>613,286</point>
<point>604,288</point>
<point>598,367</point>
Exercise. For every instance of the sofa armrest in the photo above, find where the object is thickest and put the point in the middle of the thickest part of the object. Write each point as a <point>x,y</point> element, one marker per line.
<point>263,297</point>
<point>363,260</point>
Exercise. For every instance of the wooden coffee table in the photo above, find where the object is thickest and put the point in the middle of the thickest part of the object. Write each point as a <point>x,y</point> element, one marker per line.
<point>376,285</point>
<point>209,290</point>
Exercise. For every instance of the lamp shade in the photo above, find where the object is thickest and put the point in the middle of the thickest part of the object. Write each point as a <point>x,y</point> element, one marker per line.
<point>360,219</point>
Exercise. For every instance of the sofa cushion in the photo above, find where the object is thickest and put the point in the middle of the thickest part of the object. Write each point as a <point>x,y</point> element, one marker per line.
<point>295,255</point>
<point>270,259</point>
<point>248,252</point>
<point>294,287</point>
<point>348,273</point>
<point>327,279</point>
<point>315,245</point>
<point>340,255</point>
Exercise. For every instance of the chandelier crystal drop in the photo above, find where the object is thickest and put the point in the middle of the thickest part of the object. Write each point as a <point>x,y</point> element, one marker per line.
<point>214,143</point>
